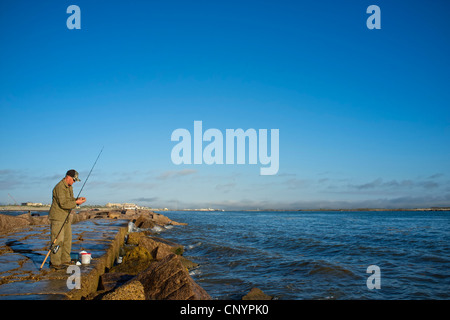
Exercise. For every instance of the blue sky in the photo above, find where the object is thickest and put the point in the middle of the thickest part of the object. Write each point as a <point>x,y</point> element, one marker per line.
<point>363,114</point>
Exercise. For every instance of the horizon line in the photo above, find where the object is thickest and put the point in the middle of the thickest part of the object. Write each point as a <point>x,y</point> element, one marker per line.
<point>28,208</point>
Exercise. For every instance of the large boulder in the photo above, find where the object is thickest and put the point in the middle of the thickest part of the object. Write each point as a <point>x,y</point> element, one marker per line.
<point>128,212</point>
<point>111,280</point>
<point>114,214</point>
<point>168,279</point>
<point>144,222</point>
<point>163,220</point>
<point>256,294</point>
<point>160,248</point>
<point>160,219</point>
<point>132,290</point>
<point>35,219</point>
<point>134,237</point>
<point>8,223</point>
<point>134,261</point>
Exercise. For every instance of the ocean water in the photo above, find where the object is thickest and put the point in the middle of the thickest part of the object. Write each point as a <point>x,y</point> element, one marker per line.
<point>317,255</point>
<point>18,213</point>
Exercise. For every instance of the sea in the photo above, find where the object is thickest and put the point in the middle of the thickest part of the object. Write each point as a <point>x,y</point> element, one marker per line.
<point>336,255</point>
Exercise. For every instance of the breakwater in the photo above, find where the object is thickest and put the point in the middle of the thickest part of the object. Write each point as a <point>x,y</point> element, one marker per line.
<point>150,268</point>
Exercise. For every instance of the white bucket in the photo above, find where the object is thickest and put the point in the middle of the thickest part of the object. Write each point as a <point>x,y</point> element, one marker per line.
<point>86,258</point>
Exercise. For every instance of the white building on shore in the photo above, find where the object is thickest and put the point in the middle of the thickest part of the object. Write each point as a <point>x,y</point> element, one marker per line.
<point>124,206</point>
<point>32,204</point>
<point>129,206</point>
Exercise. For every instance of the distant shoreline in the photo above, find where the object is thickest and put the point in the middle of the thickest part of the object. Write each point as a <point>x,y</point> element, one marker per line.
<point>47,208</point>
<point>381,209</point>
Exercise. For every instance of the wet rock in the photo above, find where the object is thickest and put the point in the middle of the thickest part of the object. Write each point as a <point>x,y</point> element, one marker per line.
<point>144,222</point>
<point>188,264</point>
<point>168,279</point>
<point>256,294</point>
<point>134,261</point>
<point>160,219</point>
<point>132,290</point>
<point>160,248</point>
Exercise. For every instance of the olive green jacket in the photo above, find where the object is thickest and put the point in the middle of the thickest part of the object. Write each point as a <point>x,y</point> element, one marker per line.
<point>62,202</point>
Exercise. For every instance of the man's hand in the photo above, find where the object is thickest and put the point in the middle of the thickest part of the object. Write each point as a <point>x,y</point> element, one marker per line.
<point>80,200</point>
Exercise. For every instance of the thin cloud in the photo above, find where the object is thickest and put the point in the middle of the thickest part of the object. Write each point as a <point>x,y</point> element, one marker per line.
<point>11,179</point>
<point>226,187</point>
<point>296,183</point>
<point>144,199</point>
<point>409,202</point>
<point>428,184</point>
<point>176,173</point>
<point>394,184</point>
<point>436,175</point>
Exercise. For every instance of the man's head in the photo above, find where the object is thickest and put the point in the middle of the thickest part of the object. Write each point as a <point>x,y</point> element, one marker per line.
<point>71,177</point>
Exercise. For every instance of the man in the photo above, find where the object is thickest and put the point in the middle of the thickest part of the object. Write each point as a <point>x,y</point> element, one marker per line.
<point>62,203</point>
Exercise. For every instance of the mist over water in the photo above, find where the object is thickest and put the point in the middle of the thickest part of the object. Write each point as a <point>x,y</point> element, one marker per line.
<point>317,255</point>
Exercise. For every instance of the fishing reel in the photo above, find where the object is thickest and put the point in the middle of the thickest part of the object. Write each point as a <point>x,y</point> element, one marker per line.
<point>55,249</point>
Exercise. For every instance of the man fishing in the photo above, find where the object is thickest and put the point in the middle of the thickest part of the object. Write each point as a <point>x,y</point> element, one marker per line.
<point>63,202</point>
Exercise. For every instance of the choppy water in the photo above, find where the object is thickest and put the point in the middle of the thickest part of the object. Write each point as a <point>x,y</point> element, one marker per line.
<point>317,255</point>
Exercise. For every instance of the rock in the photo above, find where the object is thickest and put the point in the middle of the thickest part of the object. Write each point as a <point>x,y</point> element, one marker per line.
<point>132,290</point>
<point>163,220</point>
<point>35,218</point>
<point>41,220</point>
<point>256,294</point>
<point>7,223</point>
<point>114,215</point>
<point>160,248</point>
<point>134,261</point>
<point>129,212</point>
<point>82,215</point>
<point>175,223</point>
<point>168,279</point>
<point>111,280</point>
<point>188,264</point>
<point>134,237</point>
<point>160,219</point>
<point>144,222</point>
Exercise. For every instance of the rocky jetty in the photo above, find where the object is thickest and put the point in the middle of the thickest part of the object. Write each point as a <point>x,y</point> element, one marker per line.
<point>131,260</point>
<point>152,268</point>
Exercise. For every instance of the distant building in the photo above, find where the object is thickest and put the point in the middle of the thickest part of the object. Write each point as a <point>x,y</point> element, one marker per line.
<point>124,206</point>
<point>129,206</point>
<point>113,205</point>
<point>32,204</point>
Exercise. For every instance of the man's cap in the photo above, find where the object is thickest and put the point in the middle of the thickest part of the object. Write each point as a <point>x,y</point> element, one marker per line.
<point>72,173</point>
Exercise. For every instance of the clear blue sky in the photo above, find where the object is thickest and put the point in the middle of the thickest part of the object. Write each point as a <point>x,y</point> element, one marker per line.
<point>363,114</point>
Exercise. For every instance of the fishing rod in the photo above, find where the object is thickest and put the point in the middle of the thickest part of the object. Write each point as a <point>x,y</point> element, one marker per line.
<point>52,246</point>
<point>89,173</point>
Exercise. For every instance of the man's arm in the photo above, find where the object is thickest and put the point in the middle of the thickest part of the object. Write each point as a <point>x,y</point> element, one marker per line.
<point>65,200</point>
